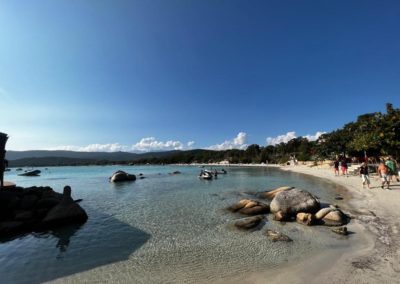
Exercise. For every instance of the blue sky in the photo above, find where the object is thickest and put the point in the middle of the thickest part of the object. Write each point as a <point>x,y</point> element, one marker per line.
<point>154,75</point>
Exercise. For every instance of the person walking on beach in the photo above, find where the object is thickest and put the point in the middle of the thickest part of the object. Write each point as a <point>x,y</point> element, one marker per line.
<point>344,167</point>
<point>336,166</point>
<point>392,169</point>
<point>383,172</point>
<point>364,174</point>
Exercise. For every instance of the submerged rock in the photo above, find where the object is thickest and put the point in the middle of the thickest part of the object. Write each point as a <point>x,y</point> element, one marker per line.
<point>341,231</point>
<point>249,222</point>
<point>277,236</point>
<point>122,176</point>
<point>293,201</point>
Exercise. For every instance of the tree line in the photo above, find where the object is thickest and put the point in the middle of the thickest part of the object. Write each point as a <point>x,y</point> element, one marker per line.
<point>374,134</point>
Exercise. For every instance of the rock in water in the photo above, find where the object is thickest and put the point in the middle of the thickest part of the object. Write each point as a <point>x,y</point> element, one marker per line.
<point>276,236</point>
<point>122,176</point>
<point>322,213</point>
<point>335,218</point>
<point>294,201</point>
<point>305,218</point>
<point>248,223</point>
<point>272,193</point>
<point>249,207</point>
<point>341,231</point>
<point>280,216</point>
<point>67,211</point>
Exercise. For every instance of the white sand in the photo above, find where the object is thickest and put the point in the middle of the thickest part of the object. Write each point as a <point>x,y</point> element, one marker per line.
<point>374,256</point>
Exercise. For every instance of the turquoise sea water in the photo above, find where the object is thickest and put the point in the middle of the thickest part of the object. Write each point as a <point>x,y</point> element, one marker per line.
<point>161,229</point>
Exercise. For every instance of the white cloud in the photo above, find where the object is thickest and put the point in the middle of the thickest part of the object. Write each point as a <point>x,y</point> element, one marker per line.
<point>291,135</point>
<point>281,138</point>
<point>151,144</point>
<point>114,147</point>
<point>315,136</point>
<point>147,144</point>
<point>239,142</point>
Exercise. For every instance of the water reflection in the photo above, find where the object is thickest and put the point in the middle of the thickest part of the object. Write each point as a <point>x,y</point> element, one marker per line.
<point>46,256</point>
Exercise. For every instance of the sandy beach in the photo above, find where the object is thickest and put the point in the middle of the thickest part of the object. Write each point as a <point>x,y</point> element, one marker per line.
<point>374,256</point>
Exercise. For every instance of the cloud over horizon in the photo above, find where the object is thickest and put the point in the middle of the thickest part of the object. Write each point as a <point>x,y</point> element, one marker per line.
<point>284,138</point>
<point>147,144</point>
<point>291,135</point>
<point>239,142</point>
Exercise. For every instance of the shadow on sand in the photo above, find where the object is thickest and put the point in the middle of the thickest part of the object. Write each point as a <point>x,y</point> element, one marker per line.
<point>46,256</point>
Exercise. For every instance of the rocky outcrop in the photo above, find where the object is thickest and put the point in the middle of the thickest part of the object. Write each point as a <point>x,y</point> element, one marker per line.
<point>249,222</point>
<point>67,211</point>
<point>294,201</point>
<point>322,213</point>
<point>272,193</point>
<point>305,218</point>
<point>335,218</point>
<point>26,209</point>
<point>122,176</point>
<point>280,216</point>
<point>249,207</point>
<point>277,236</point>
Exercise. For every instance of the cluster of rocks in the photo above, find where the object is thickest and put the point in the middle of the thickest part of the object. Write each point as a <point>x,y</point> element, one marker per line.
<point>288,204</point>
<point>37,208</point>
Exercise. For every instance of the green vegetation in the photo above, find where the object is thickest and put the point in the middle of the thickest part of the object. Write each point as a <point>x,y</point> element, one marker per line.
<point>375,133</point>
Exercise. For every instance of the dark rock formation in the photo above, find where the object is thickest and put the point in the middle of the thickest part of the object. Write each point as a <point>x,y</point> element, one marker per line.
<point>119,176</point>
<point>36,208</point>
<point>67,211</point>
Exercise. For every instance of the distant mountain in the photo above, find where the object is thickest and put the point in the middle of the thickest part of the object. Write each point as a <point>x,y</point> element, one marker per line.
<point>115,156</point>
<point>54,158</point>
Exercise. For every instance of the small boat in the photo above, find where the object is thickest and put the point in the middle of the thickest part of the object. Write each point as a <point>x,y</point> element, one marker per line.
<point>221,172</point>
<point>7,170</point>
<point>30,173</point>
<point>206,175</point>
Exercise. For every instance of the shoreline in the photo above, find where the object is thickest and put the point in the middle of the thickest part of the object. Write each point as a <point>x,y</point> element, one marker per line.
<point>375,245</point>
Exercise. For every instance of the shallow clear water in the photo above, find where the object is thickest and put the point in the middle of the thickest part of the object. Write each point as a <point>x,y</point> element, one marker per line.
<point>162,229</point>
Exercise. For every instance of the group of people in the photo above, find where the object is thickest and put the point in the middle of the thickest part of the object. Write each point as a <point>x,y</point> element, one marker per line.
<point>387,171</point>
<point>341,163</point>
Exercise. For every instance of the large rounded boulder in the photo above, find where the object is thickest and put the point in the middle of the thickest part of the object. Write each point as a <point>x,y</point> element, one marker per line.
<point>122,176</point>
<point>293,201</point>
